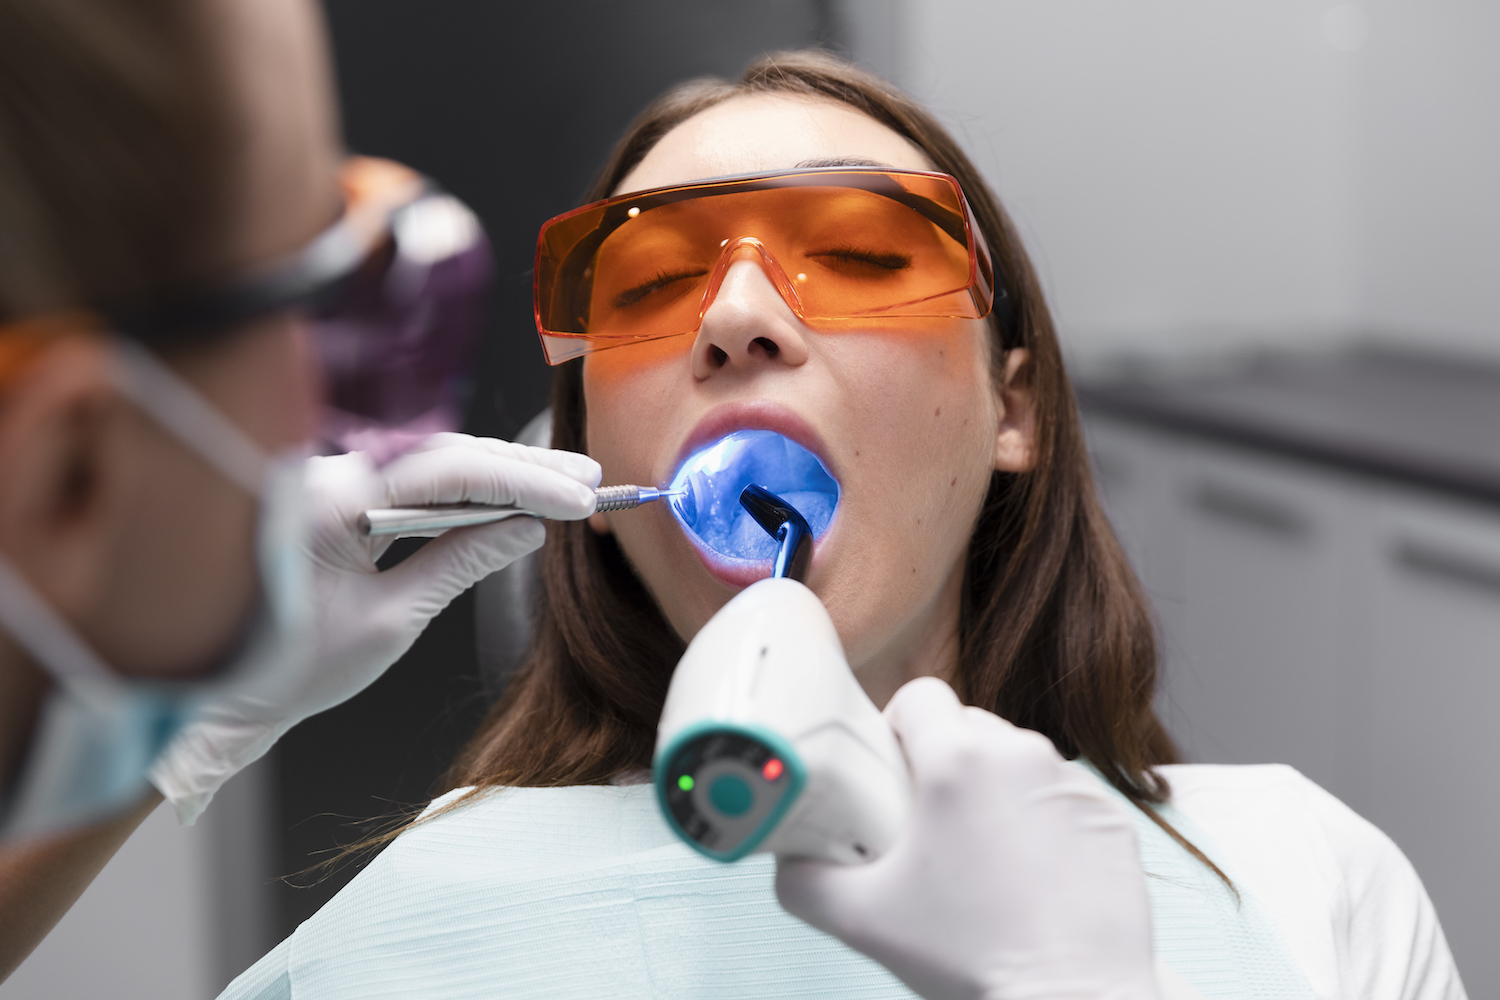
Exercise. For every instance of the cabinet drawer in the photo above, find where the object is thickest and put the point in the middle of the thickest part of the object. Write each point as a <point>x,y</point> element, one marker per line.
<point>1433,692</point>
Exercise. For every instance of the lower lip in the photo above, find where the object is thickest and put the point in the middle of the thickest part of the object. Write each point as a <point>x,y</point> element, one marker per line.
<point>735,572</point>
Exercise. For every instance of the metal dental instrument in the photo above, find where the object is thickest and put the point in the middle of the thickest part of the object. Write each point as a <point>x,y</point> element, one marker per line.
<point>412,521</point>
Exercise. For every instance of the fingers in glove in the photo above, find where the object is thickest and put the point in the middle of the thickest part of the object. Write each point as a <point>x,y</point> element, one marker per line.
<point>922,709</point>
<point>889,919</point>
<point>950,746</point>
<point>463,474</point>
<point>569,463</point>
<point>427,581</point>
<point>830,897</point>
<point>928,719</point>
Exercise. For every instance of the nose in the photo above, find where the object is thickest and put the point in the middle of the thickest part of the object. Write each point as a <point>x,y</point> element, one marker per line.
<point>748,325</point>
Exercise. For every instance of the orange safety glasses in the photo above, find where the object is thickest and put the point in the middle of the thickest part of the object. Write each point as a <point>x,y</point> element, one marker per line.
<point>841,244</point>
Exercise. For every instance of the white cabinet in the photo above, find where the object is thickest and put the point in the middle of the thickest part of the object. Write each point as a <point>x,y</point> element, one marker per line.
<point>1431,693</point>
<point>1335,623</point>
<point>1253,631</point>
<point>177,913</point>
<point>1243,558</point>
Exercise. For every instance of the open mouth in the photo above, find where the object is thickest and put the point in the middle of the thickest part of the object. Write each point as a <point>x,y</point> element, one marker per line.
<point>711,480</point>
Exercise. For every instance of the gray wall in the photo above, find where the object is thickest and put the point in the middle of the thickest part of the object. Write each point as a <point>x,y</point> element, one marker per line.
<point>1194,176</point>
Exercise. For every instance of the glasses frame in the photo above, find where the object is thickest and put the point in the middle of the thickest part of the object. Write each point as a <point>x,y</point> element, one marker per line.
<point>372,191</point>
<point>303,277</point>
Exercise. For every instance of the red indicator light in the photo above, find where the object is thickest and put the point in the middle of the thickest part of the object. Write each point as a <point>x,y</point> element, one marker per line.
<point>772,770</point>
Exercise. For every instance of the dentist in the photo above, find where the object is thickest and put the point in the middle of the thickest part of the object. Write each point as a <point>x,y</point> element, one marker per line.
<point>181,238</point>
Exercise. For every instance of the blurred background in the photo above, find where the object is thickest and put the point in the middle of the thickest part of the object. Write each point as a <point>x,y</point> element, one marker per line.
<point>1270,233</point>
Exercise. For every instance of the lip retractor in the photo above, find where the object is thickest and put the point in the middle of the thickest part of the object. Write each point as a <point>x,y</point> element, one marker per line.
<point>709,485</point>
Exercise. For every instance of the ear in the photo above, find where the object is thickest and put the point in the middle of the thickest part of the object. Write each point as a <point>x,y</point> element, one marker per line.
<point>62,445</point>
<point>1015,434</point>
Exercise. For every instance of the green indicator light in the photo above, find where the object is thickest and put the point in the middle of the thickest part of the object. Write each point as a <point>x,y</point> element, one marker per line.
<point>685,782</point>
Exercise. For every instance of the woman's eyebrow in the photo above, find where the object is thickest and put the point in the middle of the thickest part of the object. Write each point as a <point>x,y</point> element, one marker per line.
<point>843,161</point>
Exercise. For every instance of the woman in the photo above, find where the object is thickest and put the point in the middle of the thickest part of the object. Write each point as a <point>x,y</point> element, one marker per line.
<point>967,544</point>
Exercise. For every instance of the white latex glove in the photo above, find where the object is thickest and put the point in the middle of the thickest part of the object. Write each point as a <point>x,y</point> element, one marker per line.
<point>1017,877</point>
<point>366,619</point>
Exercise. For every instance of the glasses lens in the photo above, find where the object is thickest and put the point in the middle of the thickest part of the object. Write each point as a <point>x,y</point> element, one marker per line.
<point>850,245</point>
<point>650,273</point>
<point>398,339</point>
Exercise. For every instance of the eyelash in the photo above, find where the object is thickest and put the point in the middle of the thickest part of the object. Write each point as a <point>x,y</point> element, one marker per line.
<point>875,258</point>
<point>633,296</point>
<point>846,255</point>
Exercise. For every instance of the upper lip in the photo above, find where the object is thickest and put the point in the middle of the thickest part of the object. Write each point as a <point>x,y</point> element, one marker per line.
<point>761,415</point>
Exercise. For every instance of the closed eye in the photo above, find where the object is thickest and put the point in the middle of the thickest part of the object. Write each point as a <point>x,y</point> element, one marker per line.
<point>663,281</point>
<point>858,257</point>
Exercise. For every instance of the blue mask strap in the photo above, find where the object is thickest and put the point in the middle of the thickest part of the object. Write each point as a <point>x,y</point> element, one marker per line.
<point>784,523</point>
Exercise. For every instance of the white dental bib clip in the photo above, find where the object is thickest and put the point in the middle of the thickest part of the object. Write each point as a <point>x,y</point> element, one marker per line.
<point>767,743</point>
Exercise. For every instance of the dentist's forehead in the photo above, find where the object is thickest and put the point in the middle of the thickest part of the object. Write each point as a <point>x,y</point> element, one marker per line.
<point>770,132</point>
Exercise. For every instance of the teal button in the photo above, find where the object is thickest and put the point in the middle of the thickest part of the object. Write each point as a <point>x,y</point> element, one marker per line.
<point>731,795</point>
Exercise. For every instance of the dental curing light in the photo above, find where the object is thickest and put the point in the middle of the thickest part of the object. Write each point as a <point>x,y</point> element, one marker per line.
<point>785,524</point>
<point>767,743</point>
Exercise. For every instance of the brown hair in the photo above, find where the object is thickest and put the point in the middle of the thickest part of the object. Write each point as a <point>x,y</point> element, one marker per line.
<point>1055,633</point>
<point>114,151</point>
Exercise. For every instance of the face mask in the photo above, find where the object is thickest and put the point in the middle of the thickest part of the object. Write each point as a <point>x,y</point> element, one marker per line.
<point>99,732</point>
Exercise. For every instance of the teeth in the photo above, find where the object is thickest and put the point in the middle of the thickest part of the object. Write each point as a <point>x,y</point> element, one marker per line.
<point>711,481</point>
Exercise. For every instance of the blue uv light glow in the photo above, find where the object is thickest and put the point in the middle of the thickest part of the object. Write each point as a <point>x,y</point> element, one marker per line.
<point>711,481</point>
